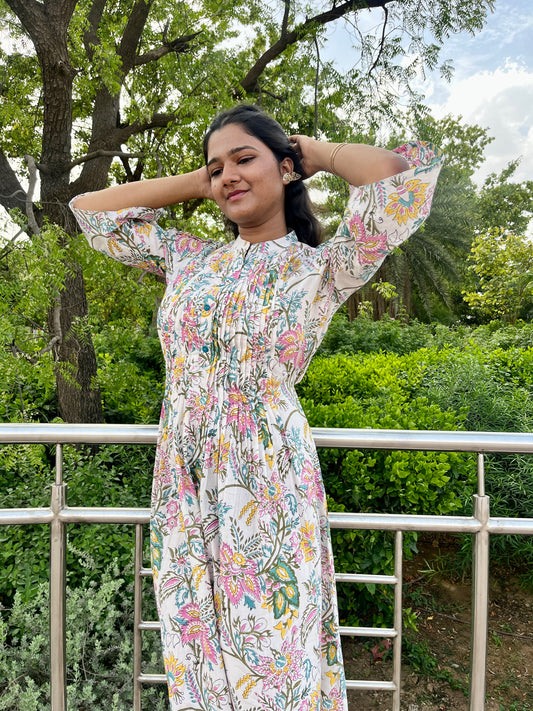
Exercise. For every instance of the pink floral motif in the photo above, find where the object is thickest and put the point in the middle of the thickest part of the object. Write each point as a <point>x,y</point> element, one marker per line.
<point>194,629</point>
<point>312,481</point>
<point>238,575</point>
<point>282,666</point>
<point>175,675</point>
<point>293,346</point>
<point>239,411</point>
<point>188,243</point>
<point>271,496</point>
<point>189,327</point>
<point>370,248</point>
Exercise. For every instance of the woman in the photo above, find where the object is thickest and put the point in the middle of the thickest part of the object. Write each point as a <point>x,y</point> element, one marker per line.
<point>241,554</point>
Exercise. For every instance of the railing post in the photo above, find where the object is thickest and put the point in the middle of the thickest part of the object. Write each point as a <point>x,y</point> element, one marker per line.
<point>58,535</point>
<point>480,595</point>
<point>398,620</point>
<point>137,617</point>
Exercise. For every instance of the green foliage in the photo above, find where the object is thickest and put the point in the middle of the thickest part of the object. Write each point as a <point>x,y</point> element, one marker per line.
<point>502,263</point>
<point>130,373</point>
<point>99,649</point>
<point>109,476</point>
<point>375,391</point>
<point>504,204</point>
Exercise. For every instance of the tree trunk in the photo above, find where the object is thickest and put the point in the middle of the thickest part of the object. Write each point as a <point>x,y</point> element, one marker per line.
<point>78,397</point>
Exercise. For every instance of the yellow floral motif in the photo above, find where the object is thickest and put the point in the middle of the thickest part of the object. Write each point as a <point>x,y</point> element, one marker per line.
<point>308,540</point>
<point>175,673</point>
<point>113,246</point>
<point>250,509</point>
<point>221,454</point>
<point>178,367</point>
<point>250,683</point>
<point>272,392</point>
<point>405,203</point>
<point>198,574</point>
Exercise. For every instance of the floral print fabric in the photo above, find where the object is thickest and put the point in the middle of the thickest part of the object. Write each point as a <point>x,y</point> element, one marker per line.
<point>241,554</point>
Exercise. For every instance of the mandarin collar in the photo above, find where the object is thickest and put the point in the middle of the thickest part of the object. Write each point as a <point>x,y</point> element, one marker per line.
<point>287,240</point>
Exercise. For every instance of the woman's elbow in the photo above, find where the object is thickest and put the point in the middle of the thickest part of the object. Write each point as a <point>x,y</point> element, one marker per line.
<point>396,163</point>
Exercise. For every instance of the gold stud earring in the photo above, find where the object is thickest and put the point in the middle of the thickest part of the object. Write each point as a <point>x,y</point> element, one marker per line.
<point>291,177</point>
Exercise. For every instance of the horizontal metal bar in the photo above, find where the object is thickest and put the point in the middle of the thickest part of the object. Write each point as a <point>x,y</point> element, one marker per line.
<point>512,526</point>
<point>45,433</point>
<point>404,522</point>
<point>25,516</point>
<point>431,440</point>
<point>434,440</point>
<point>370,685</point>
<point>152,678</point>
<point>153,626</point>
<point>388,632</point>
<point>366,685</point>
<point>105,514</point>
<point>146,572</point>
<point>366,579</point>
<point>385,522</point>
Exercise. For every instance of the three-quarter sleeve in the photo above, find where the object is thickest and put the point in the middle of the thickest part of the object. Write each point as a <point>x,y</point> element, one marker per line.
<point>379,217</point>
<point>133,236</point>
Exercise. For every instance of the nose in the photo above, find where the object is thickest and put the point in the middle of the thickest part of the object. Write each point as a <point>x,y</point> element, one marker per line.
<point>229,173</point>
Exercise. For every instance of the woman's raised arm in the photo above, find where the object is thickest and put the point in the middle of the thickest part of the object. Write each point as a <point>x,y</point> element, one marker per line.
<point>154,193</point>
<point>357,163</point>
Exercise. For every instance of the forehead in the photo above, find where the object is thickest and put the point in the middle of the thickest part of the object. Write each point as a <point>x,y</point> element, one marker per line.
<point>223,141</point>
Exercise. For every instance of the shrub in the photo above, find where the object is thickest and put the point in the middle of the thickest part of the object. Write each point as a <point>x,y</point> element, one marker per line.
<point>375,392</point>
<point>109,476</point>
<point>99,650</point>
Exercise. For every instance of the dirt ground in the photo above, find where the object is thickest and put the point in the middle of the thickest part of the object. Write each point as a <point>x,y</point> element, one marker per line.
<point>443,609</point>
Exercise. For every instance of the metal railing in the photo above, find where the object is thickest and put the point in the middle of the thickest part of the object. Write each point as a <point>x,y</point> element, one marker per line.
<point>480,524</point>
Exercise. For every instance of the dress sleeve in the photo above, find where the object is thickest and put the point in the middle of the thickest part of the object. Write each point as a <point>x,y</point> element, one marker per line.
<point>378,218</point>
<point>133,236</point>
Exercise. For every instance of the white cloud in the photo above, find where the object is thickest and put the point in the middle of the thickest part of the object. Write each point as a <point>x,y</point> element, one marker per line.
<point>501,101</point>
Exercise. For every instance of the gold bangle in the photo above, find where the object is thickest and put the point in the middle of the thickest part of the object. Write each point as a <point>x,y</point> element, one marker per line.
<point>334,152</point>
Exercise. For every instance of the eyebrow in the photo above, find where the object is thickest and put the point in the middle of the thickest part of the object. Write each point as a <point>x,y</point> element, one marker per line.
<point>231,152</point>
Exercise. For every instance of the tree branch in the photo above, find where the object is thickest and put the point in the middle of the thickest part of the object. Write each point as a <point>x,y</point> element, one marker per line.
<point>132,34</point>
<point>29,12</point>
<point>32,168</point>
<point>382,42</point>
<point>102,154</point>
<point>90,38</point>
<point>12,193</point>
<point>180,45</point>
<point>285,21</point>
<point>287,38</point>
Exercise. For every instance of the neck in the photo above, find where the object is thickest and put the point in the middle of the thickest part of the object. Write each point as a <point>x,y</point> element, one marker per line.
<point>263,233</point>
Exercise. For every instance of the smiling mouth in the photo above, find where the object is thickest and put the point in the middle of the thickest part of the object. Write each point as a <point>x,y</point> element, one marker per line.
<point>236,194</point>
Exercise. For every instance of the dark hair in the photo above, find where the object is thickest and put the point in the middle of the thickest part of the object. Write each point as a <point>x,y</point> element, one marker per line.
<point>298,210</point>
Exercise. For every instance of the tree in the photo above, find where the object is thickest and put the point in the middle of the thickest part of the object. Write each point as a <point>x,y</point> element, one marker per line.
<point>100,90</point>
<point>503,265</point>
<point>505,204</point>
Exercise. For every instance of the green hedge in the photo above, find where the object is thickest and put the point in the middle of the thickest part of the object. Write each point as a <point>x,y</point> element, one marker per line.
<point>376,392</point>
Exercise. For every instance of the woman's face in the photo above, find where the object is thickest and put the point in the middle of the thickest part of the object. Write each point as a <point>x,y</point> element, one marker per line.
<point>246,182</point>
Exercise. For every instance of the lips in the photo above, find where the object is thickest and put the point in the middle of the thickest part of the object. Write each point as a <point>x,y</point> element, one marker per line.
<point>236,194</point>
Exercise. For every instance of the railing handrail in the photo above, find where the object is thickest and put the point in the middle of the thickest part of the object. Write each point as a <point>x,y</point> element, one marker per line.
<point>343,438</point>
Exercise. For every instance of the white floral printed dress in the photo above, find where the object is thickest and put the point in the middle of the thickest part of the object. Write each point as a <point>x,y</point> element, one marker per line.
<point>241,553</point>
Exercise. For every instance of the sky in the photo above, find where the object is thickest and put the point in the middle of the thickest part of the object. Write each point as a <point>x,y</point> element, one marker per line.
<point>492,85</point>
